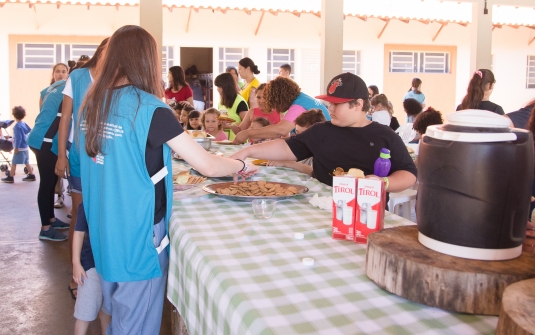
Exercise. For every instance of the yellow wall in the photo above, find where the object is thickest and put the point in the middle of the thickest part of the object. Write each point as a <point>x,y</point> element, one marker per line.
<point>439,88</point>
<point>25,84</point>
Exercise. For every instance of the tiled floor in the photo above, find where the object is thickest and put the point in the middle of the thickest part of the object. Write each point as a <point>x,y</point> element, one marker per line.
<point>34,274</point>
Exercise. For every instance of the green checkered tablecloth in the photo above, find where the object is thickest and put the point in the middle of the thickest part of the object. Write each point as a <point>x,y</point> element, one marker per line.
<point>230,273</point>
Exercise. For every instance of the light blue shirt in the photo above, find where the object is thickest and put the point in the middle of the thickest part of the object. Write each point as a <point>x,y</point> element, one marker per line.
<point>418,97</point>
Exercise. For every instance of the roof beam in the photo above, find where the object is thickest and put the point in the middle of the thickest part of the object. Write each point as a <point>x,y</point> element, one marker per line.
<point>384,28</point>
<point>531,41</point>
<point>248,12</point>
<point>273,12</point>
<point>439,30</point>
<point>259,23</point>
<point>189,18</point>
<point>318,14</point>
<point>296,13</point>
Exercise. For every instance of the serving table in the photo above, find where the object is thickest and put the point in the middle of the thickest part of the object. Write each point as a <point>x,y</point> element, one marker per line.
<point>230,273</point>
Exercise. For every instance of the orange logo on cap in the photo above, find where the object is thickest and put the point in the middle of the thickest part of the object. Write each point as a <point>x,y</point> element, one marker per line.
<point>334,85</point>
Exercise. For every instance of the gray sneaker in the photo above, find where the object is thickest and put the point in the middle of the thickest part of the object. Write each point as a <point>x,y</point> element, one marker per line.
<point>59,202</point>
<point>52,235</point>
<point>58,224</point>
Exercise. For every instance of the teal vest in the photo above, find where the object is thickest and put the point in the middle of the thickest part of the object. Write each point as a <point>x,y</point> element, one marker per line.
<point>118,192</point>
<point>81,81</point>
<point>308,102</point>
<point>50,110</point>
<point>232,111</point>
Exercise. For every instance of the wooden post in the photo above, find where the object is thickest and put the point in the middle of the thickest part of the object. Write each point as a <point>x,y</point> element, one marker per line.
<point>516,313</point>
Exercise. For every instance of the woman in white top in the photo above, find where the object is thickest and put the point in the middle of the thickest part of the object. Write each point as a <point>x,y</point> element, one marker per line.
<point>382,111</point>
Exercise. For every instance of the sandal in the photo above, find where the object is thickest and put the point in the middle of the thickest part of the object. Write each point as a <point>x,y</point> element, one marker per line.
<point>72,291</point>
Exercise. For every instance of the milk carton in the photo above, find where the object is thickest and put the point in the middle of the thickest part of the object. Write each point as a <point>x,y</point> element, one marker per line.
<point>344,202</point>
<point>370,209</point>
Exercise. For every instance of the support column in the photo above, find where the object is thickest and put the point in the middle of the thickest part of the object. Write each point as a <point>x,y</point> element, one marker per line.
<point>151,19</point>
<point>481,36</point>
<point>332,40</point>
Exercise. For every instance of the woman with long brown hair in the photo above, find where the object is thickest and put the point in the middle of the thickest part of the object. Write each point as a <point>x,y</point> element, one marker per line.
<point>284,96</point>
<point>178,89</point>
<point>68,163</point>
<point>479,91</point>
<point>126,137</point>
<point>235,105</point>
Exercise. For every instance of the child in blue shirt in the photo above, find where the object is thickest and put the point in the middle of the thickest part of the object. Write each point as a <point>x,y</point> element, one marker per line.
<point>20,146</point>
<point>89,298</point>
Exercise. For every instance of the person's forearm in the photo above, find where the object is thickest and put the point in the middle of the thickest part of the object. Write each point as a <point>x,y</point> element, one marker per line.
<point>272,131</point>
<point>207,164</point>
<point>64,126</point>
<point>77,242</point>
<point>400,181</point>
<point>276,150</point>
<point>303,168</point>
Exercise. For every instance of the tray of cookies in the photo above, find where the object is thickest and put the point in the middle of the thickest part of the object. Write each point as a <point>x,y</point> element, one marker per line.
<point>261,189</point>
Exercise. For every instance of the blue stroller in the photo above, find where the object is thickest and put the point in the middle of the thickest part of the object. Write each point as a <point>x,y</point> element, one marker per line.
<point>6,146</point>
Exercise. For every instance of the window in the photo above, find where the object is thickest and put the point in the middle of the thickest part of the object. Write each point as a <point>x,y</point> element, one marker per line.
<point>230,57</point>
<point>351,62</point>
<point>530,77</point>
<point>424,62</point>
<point>167,59</point>
<point>278,57</point>
<point>74,51</point>
<point>38,56</point>
<point>45,56</point>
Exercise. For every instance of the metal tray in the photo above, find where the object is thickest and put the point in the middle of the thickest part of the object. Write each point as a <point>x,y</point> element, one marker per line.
<point>213,187</point>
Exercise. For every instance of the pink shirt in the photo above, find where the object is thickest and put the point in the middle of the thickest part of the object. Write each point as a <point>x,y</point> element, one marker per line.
<point>293,112</point>
<point>273,117</point>
<point>221,137</point>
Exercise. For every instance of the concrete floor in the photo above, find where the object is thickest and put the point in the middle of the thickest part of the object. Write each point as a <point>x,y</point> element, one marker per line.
<point>34,274</point>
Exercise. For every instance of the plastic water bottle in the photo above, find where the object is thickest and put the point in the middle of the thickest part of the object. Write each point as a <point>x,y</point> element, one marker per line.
<point>382,164</point>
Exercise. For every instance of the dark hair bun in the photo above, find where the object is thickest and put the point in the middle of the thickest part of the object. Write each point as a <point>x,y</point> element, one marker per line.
<point>255,69</point>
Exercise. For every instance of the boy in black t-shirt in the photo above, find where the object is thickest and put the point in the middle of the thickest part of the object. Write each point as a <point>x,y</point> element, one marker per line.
<point>349,140</point>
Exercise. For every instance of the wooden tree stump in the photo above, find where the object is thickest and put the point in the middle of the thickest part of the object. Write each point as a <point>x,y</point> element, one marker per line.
<point>398,263</point>
<point>518,308</point>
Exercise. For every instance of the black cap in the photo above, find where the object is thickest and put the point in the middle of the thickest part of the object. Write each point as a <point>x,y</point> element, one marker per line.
<point>345,87</point>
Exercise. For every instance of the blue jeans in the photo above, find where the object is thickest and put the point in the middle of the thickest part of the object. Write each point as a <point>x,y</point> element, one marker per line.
<point>75,184</point>
<point>136,307</point>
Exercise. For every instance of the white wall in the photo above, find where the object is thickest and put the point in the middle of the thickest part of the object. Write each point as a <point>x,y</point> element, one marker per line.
<point>236,29</point>
<point>5,109</point>
<point>510,49</point>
